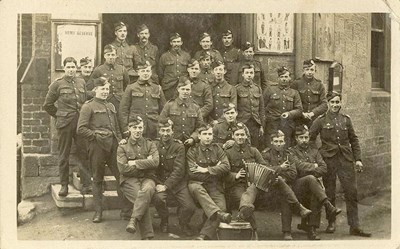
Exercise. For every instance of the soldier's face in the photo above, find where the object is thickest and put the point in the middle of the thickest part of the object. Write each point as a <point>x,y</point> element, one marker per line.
<point>206,43</point>
<point>86,69</point>
<point>219,72</point>
<point>145,73</point>
<point>166,133</point>
<point>184,91</point>
<point>284,79</point>
<point>227,40</point>
<point>335,104</point>
<point>176,44</point>
<point>302,140</point>
<point>102,91</point>
<point>206,137</point>
<point>278,143</point>
<point>121,33</point>
<point>230,115</point>
<point>205,62</point>
<point>70,69</point>
<point>248,54</point>
<point>309,72</point>
<point>110,57</point>
<point>194,71</point>
<point>240,136</point>
<point>136,130</point>
<point>144,36</point>
<point>248,74</point>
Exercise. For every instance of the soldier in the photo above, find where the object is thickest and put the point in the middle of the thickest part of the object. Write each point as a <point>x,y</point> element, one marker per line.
<point>124,51</point>
<point>142,98</point>
<point>308,186</point>
<point>205,66</point>
<point>312,94</point>
<point>172,65</point>
<point>69,92</point>
<point>115,74</point>
<point>251,106</point>
<point>137,161</point>
<point>201,90</point>
<point>206,46</point>
<point>223,93</point>
<point>171,179</point>
<point>98,124</point>
<point>208,164</point>
<point>282,106</point>
<point>185,114</point>
<point>231,56</point>
<point>86,68</point>
<point>144,51</point>
<point>340,149</point>
<point>248,58</point>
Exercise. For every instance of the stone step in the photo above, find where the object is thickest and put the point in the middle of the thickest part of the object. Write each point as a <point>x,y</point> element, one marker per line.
<point>109,183</point>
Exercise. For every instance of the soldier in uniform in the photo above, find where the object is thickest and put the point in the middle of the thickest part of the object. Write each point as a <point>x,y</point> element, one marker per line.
<point>206,46</point>
<point>144,51</point>
<point>172,65</point>
<point>98,124</point>
<point>340,149</point>
<point>231,56</point>
<point>86,67</point>
<point>251,106</point>
<point>137,161</point>
<point>69,92</point>
<point>282,107</point>
<point>312,94</point>
<point>115,74</point>
<point>184,112</point>
<point>123,50</point>
<point>248,58</point>
<point>208,163</point>
<point>171,179</point>
<point>142,98</point>
<point>223,92</point>
<point>308,186</point>
<point>201,90</point>
<point>205,67</point>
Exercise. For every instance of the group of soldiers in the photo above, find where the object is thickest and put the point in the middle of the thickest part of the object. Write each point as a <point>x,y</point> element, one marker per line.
<point>173,126</point>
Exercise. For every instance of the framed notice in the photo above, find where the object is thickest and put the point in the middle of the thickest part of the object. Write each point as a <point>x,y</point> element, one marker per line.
<point>274,32</point>
<point>74,40</point>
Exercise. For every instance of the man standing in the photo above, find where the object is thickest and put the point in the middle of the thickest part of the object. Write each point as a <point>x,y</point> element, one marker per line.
<point>171,179</point>
<point>340,149</point>
<point>205,66</point>
<point>142,98</point>
<point>308,185</point>
<point>137,161</point>
<point>98,124</point>
<point>282,106</point>
<point>115,74</point>
<point>231,56</point>
<point>312,94</point>
<point>86,67</point>
<point>208,164</point>
<point>144,51</point>
<point>172,65</point>
<point>69,92</point>
<point>206,46</point>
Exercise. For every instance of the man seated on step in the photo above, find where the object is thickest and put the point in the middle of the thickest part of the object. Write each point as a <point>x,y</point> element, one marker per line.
<point>137,161</point>
<point>208,164</point>
<point>239,193</point>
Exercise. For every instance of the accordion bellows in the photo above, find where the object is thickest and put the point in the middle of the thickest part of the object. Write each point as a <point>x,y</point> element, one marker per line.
<point>262,176</point>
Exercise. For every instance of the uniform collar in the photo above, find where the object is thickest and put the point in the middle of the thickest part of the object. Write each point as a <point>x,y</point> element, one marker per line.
<point>227,49</point>
<point>301,148</point>
<point>239,147</point>
<point>221,83</point>
<point>109,66</point>
<point>247,84</point>
<point>307,79</point>
<point>139,142</point>
<point>119,43</point>
<point>172,51</point>
<point>103,101</point>
<point>332,114</point>
<point>205,147</point>
<point>68,78</point>
<point>142,82</point>
<point>182,102</point>
<point>282,87</point>
<point>144,45</point>
<point>166,144</point>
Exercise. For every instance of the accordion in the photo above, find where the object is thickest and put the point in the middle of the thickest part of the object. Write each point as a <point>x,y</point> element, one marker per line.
<point>260,175</point>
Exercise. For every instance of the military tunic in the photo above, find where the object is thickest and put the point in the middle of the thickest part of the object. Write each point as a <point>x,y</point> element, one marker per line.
<point>231,57</point>
<point>259,74</point>
<point>202,95</point>
<point>206,74</point>
<point>148,52</point>
<point>124,56</point>
<point>222,131</point>
<point>223,94</point>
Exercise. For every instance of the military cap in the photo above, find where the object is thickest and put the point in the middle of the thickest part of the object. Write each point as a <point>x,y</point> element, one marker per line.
<point>204,127</point>
<point>308,63</point>
<point>174,36</point>
<point>165,122</point>
<point>277,133</point>
<point>238,126</point>
<point>135,120</point>
<point>228,107</point>
<point>101,81</point>
<point>217,64</point>
<point>143,65</point>
<point>227,32</point>
<point>85,61</point>
<point>204,54</point>
<point>119,25</point>
<point>69,59</point>
<point>331,94</point>
<point>247,66</point>
<point>109,48</point>
<point>192,63</point>
<point>301,129</point>
<point>282,70</point>
<point>183,81</point>
<point>142,27</point>
<point>204,35</point>
<point>247,45</point>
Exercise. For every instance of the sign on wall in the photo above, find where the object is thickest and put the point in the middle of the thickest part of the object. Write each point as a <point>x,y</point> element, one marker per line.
<point>274,32</point>
<point>74,40</point>
<point>324,36</point>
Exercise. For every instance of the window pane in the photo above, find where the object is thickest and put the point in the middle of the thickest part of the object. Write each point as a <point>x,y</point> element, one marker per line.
<point>377,21</point>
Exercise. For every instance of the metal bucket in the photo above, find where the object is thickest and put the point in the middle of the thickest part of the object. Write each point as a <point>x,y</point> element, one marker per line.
<point>235,231</point>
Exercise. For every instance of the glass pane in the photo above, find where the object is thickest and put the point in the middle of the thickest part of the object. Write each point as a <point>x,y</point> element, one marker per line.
<point>377,21</point>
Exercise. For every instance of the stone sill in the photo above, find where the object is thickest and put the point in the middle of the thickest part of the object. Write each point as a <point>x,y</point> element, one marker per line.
<point>380,95</point>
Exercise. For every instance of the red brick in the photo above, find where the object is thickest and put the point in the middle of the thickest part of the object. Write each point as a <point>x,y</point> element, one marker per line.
<point>27,115</point>
<point>40,142</point>
<point>26,129</point>
<point>31,122</point>
<point>31,135</point>
<point>45,149</point>
<point>31,108</point>
<point>40,128</point>
<point>38,101</point>
<point>40,115</point>
<point>27,101</point>
<point>27,142</point>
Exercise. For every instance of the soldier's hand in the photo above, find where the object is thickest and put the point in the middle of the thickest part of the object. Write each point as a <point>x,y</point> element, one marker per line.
<point>285,165</point>
<point>261,132</point>
<point>199,170</point>
<point>132,163</point>
<point>240,174</point>
<point>359,166</point>
<point>160,188</point>
<point>285,115</point>
<point>228,144</point>
<point>123,141</point>
<point>189,141</point>
<point>150,157</point>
